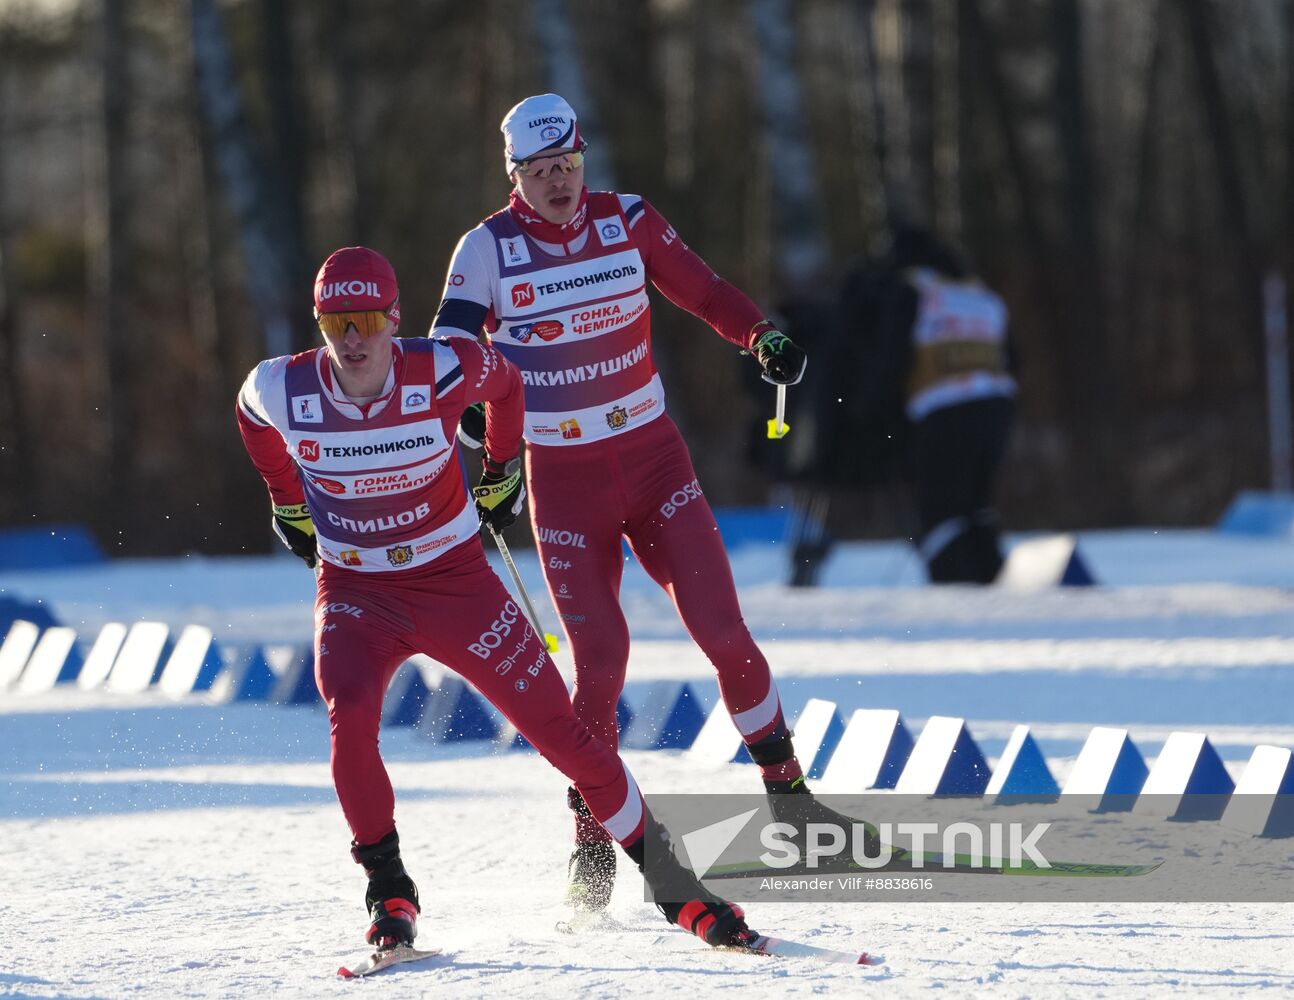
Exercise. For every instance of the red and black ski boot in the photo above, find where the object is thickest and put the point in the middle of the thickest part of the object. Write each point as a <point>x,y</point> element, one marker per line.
<point>683,900</point>
<point>391,898</point>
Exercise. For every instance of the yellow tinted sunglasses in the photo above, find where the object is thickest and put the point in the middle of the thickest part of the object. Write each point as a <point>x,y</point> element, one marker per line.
<point>367,323</point>
<point>542,166</point>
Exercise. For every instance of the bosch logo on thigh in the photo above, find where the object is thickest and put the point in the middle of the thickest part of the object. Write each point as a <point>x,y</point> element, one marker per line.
<point>506,664</point>
<point>680,498</point>
<point>499,629</point>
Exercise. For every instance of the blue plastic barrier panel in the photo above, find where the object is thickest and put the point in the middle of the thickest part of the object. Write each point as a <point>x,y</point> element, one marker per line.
<point>1263,802</point>
<point>945,761</point>
<point>1022,773</point>
<point>873,751</point>
<point>1109,767</point>
<point>1186,767</point>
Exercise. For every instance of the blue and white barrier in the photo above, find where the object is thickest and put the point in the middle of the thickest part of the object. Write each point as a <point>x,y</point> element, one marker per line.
<point>55,660</point>
<point>16,650</point>
<point>295,667</point>
<point>136,664</point>
<point>510,739</point>
<point>669,718</point>
<point>1022,772</point>
<point>246,676</point>
<point>456,712</point>
<point>872,752</point>
<point>818,730</point>
<point>1263,802</point>
<point>1046,562</point>
<point>194,663</point>
<point>945,761</point>
<point>1186,767</point>
<point>102,655</point>
<point>1264,515</point>
<point>875,750</point>
<point>718,742</point>
<point>1109,767</point>
<point>410,690</point>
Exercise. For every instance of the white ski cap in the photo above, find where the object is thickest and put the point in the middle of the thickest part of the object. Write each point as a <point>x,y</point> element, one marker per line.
<point>542,122</point>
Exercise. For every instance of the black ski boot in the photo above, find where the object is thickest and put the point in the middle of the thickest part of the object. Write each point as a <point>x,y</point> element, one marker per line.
<point>684,901</point>
<point>792,802</point>
<point>391,898</point>
<point>591,872</point>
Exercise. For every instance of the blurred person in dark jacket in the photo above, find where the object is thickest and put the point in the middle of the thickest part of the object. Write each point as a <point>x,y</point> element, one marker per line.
<point>934,370</point>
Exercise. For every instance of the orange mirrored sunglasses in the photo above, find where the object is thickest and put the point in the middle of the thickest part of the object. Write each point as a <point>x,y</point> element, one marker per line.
<point>367,323</point>
<point>542,166</point>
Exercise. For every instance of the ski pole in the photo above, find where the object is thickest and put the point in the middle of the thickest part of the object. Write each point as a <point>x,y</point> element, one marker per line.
<point>778,428</point>
<point>550,640</point>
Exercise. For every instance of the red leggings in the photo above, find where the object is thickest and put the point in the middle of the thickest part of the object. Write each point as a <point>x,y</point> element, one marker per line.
<point>640,485</point>
<point>368,624</point>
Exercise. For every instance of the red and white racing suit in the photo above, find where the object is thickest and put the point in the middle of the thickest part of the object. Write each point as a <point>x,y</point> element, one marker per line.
<point>568,306</point>
<point>403,570</point>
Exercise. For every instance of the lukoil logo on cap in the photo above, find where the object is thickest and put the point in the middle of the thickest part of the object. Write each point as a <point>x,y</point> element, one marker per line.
<point>355,288</point>
<point>537,124</point>
<point>355,279</point>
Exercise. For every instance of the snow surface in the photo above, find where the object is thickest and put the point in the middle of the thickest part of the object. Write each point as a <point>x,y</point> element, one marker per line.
<point>183,849</point>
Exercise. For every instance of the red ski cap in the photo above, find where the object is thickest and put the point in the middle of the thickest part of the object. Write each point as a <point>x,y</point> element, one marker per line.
<point>355,279</point>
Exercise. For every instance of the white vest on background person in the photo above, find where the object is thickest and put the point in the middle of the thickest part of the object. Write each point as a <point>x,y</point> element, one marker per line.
<point>959,344</point>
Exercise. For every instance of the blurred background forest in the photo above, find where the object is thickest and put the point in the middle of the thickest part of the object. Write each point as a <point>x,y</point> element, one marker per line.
<point>173,171</point>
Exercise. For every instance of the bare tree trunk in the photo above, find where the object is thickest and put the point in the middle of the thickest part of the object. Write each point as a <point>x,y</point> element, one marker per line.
<point>562,68</point>
<point>1222,142</point>
<point>945,148</point>
<point>342,130</point>
<point>918,92</point>
<point>1096,384</point>
<point>288,144</point>
<point>1287,173</point>
<point>865,11</point>
<point>677,52</point>
<point>969,115</point>
<point>195,240</point>
<point>865,150</point>
<point>244,179</point>
<point>800,248</point>
<point>114,271</point>
<point>980,40</point>
<point>1133,284</point>
<point>16,468</point>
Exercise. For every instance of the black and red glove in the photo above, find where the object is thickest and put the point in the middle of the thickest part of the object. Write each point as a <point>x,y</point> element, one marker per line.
<point>501,495</point>
<point>781,358</point>
<point>293,525</point>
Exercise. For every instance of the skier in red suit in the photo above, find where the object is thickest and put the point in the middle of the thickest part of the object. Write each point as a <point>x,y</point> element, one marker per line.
<point>558,282</point>
<point>355,441</point>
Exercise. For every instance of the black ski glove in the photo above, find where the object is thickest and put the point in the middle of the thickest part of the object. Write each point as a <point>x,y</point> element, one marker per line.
<point>782,360</point>
<point>501,495</point>
<point>471,426</point>
<point>293,525</point>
